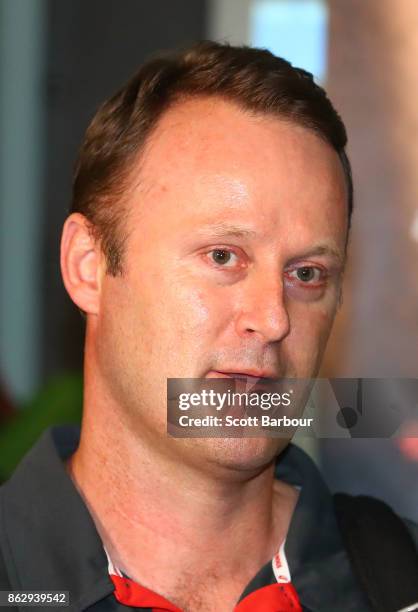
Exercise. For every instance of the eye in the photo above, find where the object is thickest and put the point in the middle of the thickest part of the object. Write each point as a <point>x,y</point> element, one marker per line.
<point>223,257</point>
<point>307,274</point>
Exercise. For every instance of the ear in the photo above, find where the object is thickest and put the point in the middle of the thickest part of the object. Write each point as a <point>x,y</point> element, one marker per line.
<point>82,264</point>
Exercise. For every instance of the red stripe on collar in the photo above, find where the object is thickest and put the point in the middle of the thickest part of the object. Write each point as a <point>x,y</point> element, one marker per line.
<point>130,593</point>
<point>271,598</point>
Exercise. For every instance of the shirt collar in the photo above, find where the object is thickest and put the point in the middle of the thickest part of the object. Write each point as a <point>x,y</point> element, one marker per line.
<point>60,548</point>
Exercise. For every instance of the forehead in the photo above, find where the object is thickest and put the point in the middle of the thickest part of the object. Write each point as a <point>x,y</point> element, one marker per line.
<point>208,157</point>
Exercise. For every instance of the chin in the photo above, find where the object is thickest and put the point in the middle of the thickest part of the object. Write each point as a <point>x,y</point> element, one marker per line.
<point>239,456</point>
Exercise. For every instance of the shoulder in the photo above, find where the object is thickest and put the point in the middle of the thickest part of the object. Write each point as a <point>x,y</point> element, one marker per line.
<point>364,514</point>
<point>34,498</point>
<point>413,530</point>
<point>4,566</point>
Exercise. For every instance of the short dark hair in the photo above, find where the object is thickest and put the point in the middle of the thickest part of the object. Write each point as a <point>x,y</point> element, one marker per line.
<point>253,78</point>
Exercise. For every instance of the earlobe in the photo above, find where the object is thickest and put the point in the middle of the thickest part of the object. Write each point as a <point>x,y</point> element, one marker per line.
<point>81,263</point>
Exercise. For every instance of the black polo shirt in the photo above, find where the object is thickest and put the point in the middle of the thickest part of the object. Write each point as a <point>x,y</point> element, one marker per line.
<point>49,541</point>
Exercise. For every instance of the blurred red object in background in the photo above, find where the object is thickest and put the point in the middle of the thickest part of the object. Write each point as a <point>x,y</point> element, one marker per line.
<point>7,409</point>
<point>407,441</point>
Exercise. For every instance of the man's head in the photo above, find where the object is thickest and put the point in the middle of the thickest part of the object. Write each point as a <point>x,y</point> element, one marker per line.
<point>212,201</point>
<point>254,79</point>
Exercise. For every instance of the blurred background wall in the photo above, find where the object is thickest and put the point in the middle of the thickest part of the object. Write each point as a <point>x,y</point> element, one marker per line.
<point>59,60</point>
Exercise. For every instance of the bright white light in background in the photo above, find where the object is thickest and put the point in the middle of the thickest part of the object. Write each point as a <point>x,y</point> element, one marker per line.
<point>294,29</point>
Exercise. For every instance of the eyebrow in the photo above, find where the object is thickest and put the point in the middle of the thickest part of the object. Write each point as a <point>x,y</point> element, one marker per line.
<point>225,230</point>
<point>321,250</point>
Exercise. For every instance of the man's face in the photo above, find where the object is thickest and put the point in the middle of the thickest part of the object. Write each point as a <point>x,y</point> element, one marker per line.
<point>233,264</point>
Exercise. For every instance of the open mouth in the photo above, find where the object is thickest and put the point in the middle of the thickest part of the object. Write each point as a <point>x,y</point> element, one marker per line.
<point>251,381</point>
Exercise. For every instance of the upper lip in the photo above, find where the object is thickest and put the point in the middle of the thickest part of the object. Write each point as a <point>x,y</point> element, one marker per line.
<point>249,372</point>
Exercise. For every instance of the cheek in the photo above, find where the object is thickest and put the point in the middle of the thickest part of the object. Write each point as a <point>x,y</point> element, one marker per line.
<point>197,316</point>
<point>310,327</point>
<point>176,315</point>
<point>195,305</point>
<point>115,313</point>
<point>117,346</point>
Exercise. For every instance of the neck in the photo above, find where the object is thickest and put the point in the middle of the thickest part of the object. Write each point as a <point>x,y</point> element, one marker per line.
<point>150,509</point>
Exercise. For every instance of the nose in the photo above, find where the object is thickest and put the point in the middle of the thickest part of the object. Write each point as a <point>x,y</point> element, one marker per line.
<point>263,311</point>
